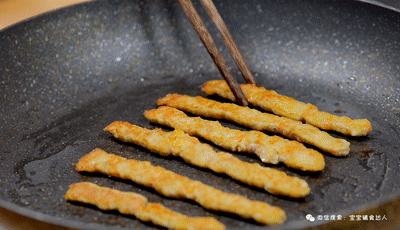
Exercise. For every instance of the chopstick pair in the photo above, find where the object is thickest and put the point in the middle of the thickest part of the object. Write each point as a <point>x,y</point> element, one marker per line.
<point>212,49</point>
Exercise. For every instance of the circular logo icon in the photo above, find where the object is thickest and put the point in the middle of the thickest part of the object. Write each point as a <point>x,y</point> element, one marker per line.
<point>309,217</point>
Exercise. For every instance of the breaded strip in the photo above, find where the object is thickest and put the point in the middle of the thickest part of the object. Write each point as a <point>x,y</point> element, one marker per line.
<point>255,119</point>
<point>131,203</point>
<point>174,185</point>
<point>285,106</point>
<point>178,143</point>
<point>270,149</point>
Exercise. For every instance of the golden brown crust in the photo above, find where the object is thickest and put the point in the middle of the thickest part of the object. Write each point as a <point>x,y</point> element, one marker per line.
<point>342,124</point>
<point>285,106</point>
<point>130,203</point>
<point>270,149</point>
<point>174,185</point>
<point>255,119</point>
<point>178,143</point>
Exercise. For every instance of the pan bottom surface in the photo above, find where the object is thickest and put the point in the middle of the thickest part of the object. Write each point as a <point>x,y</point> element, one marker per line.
<point>42,175</point>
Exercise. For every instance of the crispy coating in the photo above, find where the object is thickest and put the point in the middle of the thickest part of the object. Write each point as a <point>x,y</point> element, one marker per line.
<point>174,185</point>
<point>131,203</point>
<point>285,106</point>
<point>178,143</point>
<point>270,149</point>
<point>255,119</point>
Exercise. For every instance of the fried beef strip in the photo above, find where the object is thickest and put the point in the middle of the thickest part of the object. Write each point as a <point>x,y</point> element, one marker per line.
<point>174,185</point>
<point>271,101</point>
<point>255,119</point>
<point>178,143</point>
<point>270,149</point>
<point>131,203</point>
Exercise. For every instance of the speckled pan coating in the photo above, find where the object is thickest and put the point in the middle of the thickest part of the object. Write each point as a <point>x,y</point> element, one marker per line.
<point>66,75</point>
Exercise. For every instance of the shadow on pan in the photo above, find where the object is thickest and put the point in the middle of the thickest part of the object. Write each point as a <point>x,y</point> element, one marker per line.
<point>64,76</point>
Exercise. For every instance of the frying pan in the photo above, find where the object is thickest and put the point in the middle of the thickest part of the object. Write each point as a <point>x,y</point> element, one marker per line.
<point>65,75</point>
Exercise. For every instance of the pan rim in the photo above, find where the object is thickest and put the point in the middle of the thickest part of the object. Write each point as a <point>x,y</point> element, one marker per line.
<point>49,219</point>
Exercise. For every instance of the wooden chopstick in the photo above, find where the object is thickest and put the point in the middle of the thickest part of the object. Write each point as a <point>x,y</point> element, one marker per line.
<point>212,49</point>
<point>230,43</point>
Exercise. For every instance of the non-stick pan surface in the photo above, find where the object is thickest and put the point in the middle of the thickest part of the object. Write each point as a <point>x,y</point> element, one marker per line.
<point>66,75</point>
